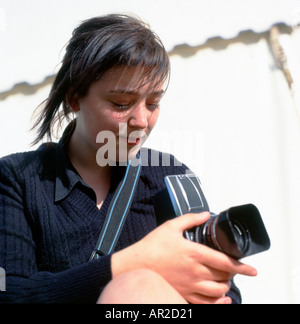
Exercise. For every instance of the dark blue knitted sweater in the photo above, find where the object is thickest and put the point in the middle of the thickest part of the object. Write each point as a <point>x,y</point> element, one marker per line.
<point>49,226</point>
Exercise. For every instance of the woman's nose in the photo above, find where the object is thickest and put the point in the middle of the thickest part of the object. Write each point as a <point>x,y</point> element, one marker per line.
<point>139,117</point>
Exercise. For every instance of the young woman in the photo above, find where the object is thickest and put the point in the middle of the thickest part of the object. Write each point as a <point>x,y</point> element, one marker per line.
<point>53,201</point>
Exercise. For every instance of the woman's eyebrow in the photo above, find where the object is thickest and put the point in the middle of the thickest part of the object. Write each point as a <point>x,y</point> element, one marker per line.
<point>133,92</point>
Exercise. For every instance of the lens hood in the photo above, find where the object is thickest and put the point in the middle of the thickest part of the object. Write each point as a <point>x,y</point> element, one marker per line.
<point>240,231</point>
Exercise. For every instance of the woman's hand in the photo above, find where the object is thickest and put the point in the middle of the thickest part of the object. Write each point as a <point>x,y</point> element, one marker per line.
<point>199,273</point>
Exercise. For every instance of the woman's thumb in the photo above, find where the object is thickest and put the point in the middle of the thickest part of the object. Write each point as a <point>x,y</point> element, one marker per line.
<point>189,221</point>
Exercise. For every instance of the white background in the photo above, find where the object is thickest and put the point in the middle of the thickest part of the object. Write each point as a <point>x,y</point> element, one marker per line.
<point>228,114</point>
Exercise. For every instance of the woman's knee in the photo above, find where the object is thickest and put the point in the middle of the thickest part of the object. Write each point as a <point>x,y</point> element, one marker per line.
<point>140,286</point>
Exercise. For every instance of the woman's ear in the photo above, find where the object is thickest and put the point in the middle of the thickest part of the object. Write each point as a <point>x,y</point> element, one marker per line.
<point>73,101</point>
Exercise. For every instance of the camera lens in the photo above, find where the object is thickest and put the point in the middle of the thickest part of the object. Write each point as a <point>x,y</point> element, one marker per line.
<point>241,234</point>
<point>210,235</point>
<point>206,234</point>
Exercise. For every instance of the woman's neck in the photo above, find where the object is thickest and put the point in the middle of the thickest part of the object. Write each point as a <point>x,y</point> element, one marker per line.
<point>83,158</point>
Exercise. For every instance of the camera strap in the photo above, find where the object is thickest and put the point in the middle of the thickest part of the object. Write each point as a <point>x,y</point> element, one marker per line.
<point>118,211</point>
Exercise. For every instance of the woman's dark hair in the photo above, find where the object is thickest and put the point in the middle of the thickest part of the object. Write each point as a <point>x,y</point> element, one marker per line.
<point>96,46</point>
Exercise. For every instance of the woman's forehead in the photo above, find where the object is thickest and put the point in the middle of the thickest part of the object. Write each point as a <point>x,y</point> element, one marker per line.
<point>132,79</point>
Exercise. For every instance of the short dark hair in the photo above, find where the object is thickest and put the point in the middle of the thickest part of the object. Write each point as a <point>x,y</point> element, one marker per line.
<point>96,46</point>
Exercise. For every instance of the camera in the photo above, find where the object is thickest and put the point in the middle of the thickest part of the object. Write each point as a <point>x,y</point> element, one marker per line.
<point>238,232</point>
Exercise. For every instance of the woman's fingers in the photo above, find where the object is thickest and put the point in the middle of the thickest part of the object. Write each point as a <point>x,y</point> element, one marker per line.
<point>208,273</point>
<point>200,299</point>
<point>222,262</point>
<point>213,288</point>
<point>210,292</point>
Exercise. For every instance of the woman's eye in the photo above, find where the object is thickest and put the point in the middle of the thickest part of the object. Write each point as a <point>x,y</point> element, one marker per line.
<point>125,106</point>
<point>121,106</point>
<point>153,106</point>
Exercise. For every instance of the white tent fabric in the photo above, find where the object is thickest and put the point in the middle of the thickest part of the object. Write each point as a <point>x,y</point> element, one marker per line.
<point>32,32</point>
<point>229,113</point>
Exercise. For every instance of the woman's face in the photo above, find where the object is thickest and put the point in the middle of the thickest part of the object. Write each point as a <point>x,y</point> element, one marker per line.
<point>118,105</point>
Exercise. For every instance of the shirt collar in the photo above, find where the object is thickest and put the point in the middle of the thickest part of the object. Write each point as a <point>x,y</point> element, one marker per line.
<point>66,175</point>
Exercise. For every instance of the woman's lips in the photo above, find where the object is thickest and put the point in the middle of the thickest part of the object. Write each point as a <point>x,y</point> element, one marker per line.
<point>131,141</point>
<point>134,141</point>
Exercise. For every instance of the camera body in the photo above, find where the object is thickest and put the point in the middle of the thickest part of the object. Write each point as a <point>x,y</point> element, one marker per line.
<point>238,232</point>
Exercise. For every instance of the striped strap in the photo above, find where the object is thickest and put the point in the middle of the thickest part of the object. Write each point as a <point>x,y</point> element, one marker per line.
<point>117,212</point>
